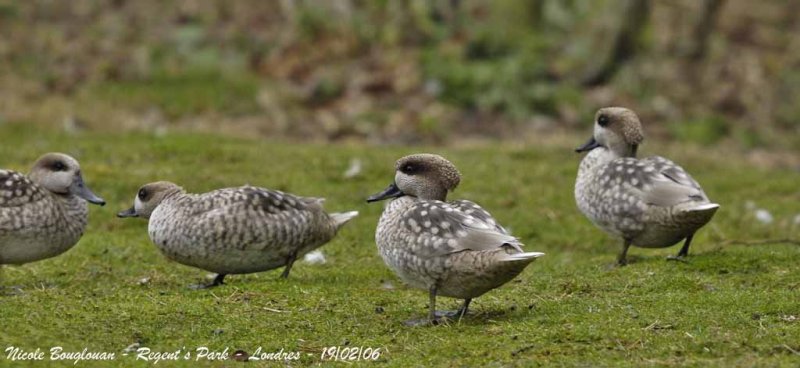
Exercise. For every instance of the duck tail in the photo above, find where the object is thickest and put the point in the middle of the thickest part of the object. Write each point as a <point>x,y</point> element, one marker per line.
<point>699,214</point>
<point>529,256</point>
<point>705,207</point>
<point>341,218</point>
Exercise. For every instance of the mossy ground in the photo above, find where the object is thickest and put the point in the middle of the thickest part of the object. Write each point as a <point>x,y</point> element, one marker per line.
<point>730,305</point>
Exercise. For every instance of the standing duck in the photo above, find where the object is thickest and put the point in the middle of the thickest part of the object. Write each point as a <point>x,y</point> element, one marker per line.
<point>650,202</point>
<point>44,214</point>
<point>234,230</point>
<point>453,249</point>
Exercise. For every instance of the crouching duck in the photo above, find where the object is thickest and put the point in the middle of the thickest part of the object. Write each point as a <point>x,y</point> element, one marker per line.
<point>234,230</point>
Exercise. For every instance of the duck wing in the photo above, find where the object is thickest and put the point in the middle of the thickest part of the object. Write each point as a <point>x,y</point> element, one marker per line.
<point>17,190</point>
<point>248,198</point>
<point>252,218</point>
<point>476,211</point>
<point>671,184</point>
<point>655,181</point>
<point>437,228</point>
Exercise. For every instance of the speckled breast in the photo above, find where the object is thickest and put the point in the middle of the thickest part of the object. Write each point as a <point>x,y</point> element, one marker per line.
<point>41,230</point>
<point>396,248</point>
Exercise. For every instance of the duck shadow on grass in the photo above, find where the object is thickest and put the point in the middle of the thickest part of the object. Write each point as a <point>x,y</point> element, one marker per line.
<point>11,291</point>
<point>487,315</point>
<point>473,318</point>
<point>17,281</point>
<point>20,290</point>
<point>716,261</point>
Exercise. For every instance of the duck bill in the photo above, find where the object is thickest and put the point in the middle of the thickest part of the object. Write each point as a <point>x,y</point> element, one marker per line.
<point>130,212</point>
<point>588,146</point>
<point>80,189</point>
<point>390,192</point>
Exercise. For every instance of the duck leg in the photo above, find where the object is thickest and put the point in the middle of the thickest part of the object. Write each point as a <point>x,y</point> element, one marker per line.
<point>463,310</point>
<point>684,252</point>
<point>218,280</point>
<point>432,312</point>
<point>456,314</point>
<point>289,263</point>
<point>433,317</point>
<point>622,259</point>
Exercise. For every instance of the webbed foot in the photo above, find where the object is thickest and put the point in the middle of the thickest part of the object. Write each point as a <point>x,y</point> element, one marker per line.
<point>219,280</point>
<point>679,258</point>
<point>11,290</point>
<point>440,319</point>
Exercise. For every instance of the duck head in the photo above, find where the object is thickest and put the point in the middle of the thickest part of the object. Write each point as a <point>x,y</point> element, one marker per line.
<point>61,174</point>
<point>617,129</point>
<point>424,175</point>
<point>149,197</point>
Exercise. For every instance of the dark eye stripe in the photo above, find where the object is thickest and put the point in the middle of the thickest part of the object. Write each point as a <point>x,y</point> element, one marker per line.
<point>59,166</point>
<point>409,168</point>
<point>603,120</point>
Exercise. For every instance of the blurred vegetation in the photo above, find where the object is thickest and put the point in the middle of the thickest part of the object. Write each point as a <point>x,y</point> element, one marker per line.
<point>707,71</point>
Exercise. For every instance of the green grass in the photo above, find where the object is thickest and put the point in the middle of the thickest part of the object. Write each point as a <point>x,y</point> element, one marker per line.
<point>731,305</point>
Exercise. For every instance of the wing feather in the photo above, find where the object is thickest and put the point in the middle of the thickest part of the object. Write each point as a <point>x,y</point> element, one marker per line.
<point>473,209</point>
<point>251,218</point>
<point>253,198</point>
<point>444,228</point>
<point>655,181</point>
<point>17,190</point>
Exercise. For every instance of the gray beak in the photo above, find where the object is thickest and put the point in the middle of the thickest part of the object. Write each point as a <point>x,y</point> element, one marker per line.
<point>80,189</point>
<point>391,192</point>
<point>588,146</point>
<point>130,212</point>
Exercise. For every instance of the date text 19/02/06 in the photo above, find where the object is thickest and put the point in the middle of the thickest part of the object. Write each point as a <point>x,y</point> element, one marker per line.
<point>350,353</point>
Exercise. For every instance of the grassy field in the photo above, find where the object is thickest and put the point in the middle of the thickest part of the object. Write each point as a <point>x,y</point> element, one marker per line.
<point>730,305</point>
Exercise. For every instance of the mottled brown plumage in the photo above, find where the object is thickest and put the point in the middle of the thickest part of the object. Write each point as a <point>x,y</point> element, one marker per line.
<point>234,230</point>
<point>44,214</point>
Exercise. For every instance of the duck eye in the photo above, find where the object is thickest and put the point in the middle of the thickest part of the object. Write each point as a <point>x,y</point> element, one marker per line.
<point>142,194</point>
<point>603,121</point>
<point>59,166</point>
<point>408,169</point>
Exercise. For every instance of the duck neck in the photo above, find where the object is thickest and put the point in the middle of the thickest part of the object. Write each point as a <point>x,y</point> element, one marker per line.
<point>628,151</point>
<point>597,158</point>
<point>619,149</point>
<point>178,191</point>
<point>75,209</point>
<point>434,194</point>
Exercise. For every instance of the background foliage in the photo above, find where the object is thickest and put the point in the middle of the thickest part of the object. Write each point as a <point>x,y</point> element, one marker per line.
<point>707,71</point>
